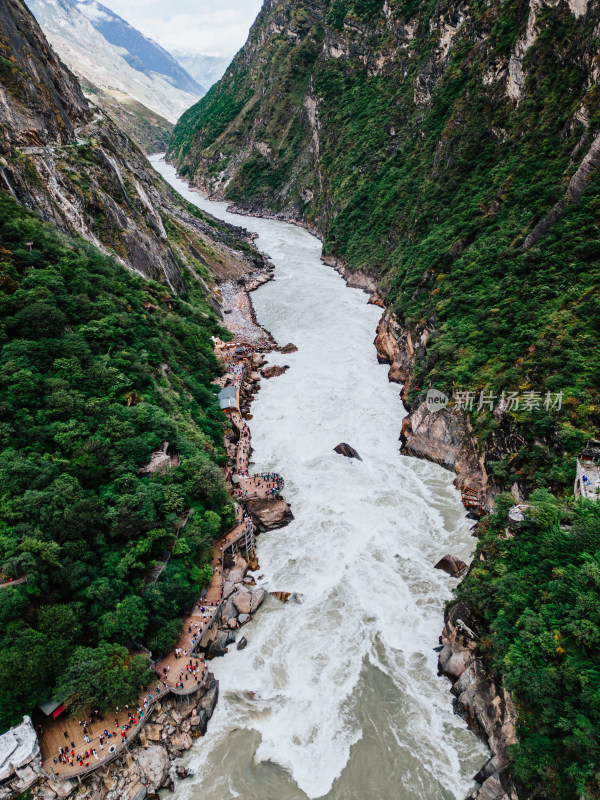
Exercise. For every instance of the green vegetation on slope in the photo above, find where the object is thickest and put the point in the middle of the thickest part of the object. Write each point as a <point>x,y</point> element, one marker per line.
<point>429,176</point>
<point>97,370</point>
<point>149,130</point>
<point>538,590</point>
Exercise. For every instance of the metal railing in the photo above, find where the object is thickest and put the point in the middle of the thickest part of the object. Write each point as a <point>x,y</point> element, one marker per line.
<point>103,761</point>
<point>247,533</point>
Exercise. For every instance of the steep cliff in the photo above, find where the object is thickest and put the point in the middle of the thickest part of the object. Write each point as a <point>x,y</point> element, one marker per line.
<point>81,173</point>
<point>448,150</point>
<point>447,153</point>
<point>106,359</point>
<point>147,129</point>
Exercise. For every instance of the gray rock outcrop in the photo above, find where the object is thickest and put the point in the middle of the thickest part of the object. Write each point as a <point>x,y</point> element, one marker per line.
<point>20,759</point>
<point>153,763</point>
<point>258,595</point>
<point>243,602</point>
<point>274,371</point>
<point>487,708</point>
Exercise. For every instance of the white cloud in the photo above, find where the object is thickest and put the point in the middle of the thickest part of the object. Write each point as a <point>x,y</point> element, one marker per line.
<point>213,27</point>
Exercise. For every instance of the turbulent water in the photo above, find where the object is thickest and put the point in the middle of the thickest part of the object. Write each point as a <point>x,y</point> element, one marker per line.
<point>337,695</point>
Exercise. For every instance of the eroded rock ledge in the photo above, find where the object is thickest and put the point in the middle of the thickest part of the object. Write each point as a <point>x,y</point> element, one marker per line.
<point>270,514</point>
<point>444,437</point>
<point>488,708</point>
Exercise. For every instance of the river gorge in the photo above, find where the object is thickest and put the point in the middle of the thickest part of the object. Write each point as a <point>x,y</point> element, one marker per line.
<point>337,694</point>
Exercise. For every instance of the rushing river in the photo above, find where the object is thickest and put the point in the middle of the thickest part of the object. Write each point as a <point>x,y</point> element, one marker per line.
<point>337,696</point>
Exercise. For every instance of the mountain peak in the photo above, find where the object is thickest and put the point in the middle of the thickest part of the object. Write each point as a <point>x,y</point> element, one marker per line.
<point>113,56</point>
<point>140,52</point>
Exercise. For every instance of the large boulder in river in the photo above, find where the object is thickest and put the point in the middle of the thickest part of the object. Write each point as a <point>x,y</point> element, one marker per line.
<point>273,372</point>
<point>183,772</point>
<point>218,646</point>
<point>228,588</point>
<point>209,699</point>
<point>452,565</point>
<point>283,597</point>
<point>181,741</point>
<point>258,595</point>
<point>345,450</point>
<point>454,661</point>
<point>154,764</point>
<point>270,513</point>
<point>491,789</point>
<point>229,611</point>
<point>243,602</point>
<point>235,576</point>
<point>289,348</point>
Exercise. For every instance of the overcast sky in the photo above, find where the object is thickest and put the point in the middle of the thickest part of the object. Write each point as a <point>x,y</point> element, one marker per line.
<point>214,27</point>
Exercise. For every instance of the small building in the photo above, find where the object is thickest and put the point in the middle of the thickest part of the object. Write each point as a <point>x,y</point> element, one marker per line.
<point>470,498</point>
<point>52,707</point>
<point>229,398</point>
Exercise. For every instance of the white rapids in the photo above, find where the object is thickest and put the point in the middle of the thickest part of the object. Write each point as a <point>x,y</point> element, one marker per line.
<point>337,695</point>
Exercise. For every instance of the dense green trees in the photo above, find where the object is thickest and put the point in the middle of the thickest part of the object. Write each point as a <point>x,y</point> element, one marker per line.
<point>429,176</point>
<point>96,676</point>
<point>97,370</point>
<point>538,589</point>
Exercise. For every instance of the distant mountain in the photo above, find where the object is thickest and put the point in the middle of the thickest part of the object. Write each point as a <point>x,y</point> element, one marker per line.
<point>141,53</point>
<point>205,69</point>
<point>147,128</point>
<point>144,73</point>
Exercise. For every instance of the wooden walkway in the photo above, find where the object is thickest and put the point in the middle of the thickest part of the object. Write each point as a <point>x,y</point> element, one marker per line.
<point>178,672</point>
<point>6,582</point>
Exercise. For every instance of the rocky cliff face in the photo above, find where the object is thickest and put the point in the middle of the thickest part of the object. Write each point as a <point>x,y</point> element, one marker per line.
<point>41,101</point>
<point>444,437</point>
<point>448,154</point>
<point>270,137</point>
<point>487,707</point>
<point>76,168</point>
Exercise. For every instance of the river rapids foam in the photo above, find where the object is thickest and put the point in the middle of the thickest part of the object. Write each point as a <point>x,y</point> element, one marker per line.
<point>337,694</point>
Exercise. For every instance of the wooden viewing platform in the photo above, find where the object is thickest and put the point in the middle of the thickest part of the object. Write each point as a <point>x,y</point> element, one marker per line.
<point>172,676</point>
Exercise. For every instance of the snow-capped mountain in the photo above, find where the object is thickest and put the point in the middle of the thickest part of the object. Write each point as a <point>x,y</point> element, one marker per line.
<point>135,67</point>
